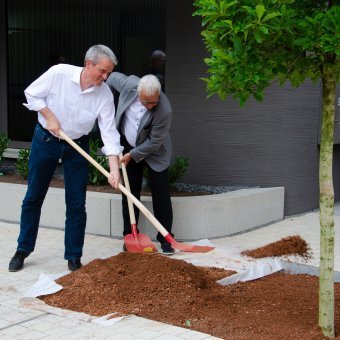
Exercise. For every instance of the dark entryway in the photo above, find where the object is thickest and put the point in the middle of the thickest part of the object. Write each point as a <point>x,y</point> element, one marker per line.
<point>43,33</point>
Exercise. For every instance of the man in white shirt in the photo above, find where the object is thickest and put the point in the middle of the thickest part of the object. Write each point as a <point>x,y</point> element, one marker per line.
<point>144,118</point>
<point>70,98</point>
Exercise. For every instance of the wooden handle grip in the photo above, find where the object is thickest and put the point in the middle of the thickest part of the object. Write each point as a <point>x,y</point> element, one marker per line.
<point>127,186</point>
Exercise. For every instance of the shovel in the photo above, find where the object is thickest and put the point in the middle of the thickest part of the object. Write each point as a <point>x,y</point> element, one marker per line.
<point>135,242</point>
<point>168,237</point>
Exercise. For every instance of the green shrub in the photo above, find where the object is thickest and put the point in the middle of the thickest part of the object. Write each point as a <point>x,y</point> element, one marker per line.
<point>22,162</point>
<point>4,142</point>
<point>176,171</point>
<point>95,176</point>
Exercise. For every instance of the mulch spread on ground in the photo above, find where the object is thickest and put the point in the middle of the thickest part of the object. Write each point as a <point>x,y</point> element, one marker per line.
<point>106,188</point>
<point>290,245</point>
<point>278,306</point>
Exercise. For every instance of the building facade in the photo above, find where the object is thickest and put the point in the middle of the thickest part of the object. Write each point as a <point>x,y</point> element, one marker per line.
<point>272,143</point>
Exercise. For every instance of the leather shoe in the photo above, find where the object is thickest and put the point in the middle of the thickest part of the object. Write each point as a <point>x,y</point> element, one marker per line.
<point>74,265</point>
<point>166,247</point>
<point>17,261</point>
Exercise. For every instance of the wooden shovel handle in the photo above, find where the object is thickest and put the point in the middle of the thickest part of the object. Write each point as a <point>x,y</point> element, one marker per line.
<point>121,187</point>
<point>127,186</point>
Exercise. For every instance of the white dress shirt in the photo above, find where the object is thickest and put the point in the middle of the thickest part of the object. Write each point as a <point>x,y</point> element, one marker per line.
<point>132,117</point>
<point>76,110</point>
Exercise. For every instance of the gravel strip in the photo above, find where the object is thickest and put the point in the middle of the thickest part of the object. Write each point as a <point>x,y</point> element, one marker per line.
<point>178,186</point>
<point>210,188</point>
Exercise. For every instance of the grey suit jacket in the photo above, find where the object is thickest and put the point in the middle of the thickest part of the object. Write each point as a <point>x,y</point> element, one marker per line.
<point>153,141</point>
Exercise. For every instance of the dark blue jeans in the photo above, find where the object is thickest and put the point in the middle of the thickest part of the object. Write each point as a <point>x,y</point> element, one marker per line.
<point>46,150</point>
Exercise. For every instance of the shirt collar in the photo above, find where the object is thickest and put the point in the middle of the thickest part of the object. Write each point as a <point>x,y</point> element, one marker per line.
<point>76,78</point>
<point>76,75</point>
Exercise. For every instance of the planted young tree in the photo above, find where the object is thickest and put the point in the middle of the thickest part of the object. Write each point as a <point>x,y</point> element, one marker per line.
<point>254,43</point>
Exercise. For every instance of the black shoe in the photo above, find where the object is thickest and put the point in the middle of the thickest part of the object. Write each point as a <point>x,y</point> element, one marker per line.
<point>124,247</point>
<point>74,265</point>
<point>17,261</point>
<point>166,247</point>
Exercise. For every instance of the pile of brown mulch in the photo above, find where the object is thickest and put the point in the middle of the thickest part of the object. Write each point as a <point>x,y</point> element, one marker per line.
<point>153,286</point>
<point>137,283</point>
<point>290,245</point>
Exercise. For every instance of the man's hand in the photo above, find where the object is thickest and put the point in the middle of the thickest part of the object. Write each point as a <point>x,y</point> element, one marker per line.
<point>52,123</point>
<point>114,178</point>
<point>126,158</point>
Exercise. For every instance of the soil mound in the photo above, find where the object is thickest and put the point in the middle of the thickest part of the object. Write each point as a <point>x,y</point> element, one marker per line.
<point>290,245</point>
<point>134,283</point>
<point>175,292</point>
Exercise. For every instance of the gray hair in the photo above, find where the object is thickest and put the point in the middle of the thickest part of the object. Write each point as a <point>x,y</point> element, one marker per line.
<point>150,84</point>
<point>96,52</point>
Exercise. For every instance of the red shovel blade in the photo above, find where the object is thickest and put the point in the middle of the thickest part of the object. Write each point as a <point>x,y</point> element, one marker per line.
<point>139,243</point>
<point>191,248</point>
<point>187,247</point>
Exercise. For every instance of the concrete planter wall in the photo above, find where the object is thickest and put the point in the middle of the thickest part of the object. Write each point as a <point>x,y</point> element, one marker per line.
<point>195,217</point>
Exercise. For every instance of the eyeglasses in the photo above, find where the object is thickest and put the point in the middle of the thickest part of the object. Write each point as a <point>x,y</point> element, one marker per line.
<point>149,103</point>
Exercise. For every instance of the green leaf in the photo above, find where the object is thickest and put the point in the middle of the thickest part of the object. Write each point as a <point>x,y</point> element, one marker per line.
<point>250,11</point>
<point>283,9</point>
<point>238,43</point>
<point>258,96</point>
<point>257,36</point>
<point>243,98</point>
<point>229,58</point>
<point>270,16</point>
<point>245,35</point>
<point>228,22</point>
<point>226,5</point>
<point>260,9</point>
<point>205,79</point>
<point>263,29</point>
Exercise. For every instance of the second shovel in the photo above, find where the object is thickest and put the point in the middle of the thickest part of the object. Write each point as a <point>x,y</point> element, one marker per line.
<point>135,242</point>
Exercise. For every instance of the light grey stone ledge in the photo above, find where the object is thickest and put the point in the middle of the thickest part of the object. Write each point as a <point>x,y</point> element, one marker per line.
<point>195,217</point>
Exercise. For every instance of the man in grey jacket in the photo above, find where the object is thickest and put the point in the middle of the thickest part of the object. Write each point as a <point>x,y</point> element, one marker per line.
<point>143,118</point>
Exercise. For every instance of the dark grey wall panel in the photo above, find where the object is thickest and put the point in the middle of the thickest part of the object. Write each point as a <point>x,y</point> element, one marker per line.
<point>3,68</point>
<point>273,143</point>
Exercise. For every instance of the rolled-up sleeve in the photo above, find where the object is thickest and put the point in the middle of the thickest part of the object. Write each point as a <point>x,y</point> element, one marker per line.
<point>109,133</point>
<point>37,92</point>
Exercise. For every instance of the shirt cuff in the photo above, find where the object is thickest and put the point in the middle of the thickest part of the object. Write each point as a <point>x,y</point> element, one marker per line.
<point>36,105</point>
<point>112,150</point>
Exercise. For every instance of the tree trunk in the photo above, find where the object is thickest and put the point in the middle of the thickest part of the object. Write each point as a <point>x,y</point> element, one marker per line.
<point>326,280</point>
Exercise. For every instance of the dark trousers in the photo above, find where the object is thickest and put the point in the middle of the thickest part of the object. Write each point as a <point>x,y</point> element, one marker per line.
<point>46,150</point>
<point>161,201</point>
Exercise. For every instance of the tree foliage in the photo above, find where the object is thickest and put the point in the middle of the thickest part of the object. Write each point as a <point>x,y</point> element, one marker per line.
<point>253,43</point>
